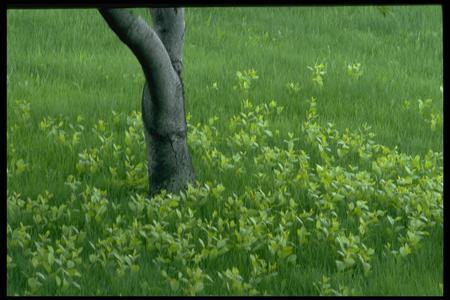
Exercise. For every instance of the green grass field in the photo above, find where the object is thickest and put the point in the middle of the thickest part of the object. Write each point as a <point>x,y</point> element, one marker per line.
<point>264,218</point>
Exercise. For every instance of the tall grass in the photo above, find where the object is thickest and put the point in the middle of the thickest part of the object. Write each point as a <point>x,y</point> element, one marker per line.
<point>68,63</point>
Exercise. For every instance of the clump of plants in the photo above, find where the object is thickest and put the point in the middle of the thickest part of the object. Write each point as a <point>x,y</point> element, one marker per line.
<point>328,189</point>
<point>317,73</point>
<point>354,71</point>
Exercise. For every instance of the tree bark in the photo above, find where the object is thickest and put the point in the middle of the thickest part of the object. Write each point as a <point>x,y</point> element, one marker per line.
<point>163,113</point>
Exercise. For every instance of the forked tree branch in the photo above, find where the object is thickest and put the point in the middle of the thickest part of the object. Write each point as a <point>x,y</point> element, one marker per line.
<point>146,46</point>
<point>170,26</point>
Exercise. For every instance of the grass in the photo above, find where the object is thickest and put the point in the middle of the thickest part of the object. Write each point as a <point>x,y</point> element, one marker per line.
<point>67,63</point>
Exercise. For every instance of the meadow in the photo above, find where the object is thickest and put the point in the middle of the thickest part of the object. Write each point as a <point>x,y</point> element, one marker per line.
<point>316,135</point>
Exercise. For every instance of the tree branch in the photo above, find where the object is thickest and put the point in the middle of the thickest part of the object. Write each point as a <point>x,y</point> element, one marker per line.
<point>146,46</point>
<point>170,26</point>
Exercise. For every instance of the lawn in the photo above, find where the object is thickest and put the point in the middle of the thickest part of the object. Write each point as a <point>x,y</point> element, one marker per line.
<point>316,136</point>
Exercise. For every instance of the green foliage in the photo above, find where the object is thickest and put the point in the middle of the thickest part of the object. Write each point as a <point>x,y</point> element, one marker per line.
<point>430,114</point>
<point>318,70</point>
<point>293,87</point>
<point>354,70</point>
<point>384,202</point>
<point>324,288</point>
<point>282,195</point>
<point>245,79</point>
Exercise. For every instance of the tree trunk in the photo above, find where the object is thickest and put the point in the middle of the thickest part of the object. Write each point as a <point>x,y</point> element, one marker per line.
<point>163,113</point>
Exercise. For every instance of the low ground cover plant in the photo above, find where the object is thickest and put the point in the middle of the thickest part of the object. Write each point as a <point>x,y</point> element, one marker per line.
<point>332,198</point>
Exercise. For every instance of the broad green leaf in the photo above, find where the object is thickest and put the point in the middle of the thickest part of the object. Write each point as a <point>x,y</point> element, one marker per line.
<point>405,250</point>
<point>340,265</point>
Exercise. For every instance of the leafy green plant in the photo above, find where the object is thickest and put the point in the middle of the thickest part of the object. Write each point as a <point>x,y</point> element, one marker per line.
<point>245,79</point>
<point>354,70</point>
<point>334,190</point>
<point>293,87</point>
<point>324,288</point>
<point>429,114</point>
<point>318,71</point>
